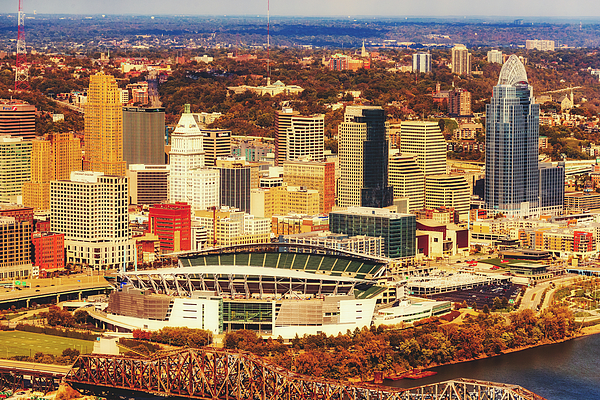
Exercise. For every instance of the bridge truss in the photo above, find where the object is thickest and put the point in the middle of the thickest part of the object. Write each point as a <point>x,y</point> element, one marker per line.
<point>15,379</point>
<point>224,375</point>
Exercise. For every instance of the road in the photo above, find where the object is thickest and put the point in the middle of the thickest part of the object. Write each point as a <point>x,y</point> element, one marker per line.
<point>69,105</point>
<point>53,286</point>
<point>27,366</point>
<point>533,295</point>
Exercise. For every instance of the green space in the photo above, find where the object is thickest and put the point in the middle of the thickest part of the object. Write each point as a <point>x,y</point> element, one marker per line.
<point>13,316</point>
<point>18,343</point>
<point>498,262</point>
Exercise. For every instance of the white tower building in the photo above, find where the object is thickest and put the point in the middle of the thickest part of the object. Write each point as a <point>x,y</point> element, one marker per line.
<point>189,181</point>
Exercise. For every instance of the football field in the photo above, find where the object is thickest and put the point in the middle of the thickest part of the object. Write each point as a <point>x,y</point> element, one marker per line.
<point>18,343</point>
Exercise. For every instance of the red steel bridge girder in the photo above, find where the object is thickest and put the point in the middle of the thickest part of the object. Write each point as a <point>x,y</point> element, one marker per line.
<point>225,375</point>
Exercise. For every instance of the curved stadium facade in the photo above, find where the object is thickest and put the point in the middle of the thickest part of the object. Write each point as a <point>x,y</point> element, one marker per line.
<point>277,289</point>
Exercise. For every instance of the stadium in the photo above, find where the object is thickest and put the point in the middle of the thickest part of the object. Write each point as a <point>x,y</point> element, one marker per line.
<point>277,289</point>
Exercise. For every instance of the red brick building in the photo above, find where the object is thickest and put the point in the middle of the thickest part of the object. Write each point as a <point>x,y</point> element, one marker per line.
<point>172,223</point>
<point>19,213</point>
<point>49,250</point>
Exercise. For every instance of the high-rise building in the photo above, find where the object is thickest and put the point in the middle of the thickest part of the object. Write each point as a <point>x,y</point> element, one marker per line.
<point>552,188</point>
<point>227,227</point>
<point>398,230</point>
<point>36,193</point>
<point>459,103</point>
<point>257,169</point>
<point>148,184</point>
<point>421,62</point>
<point>363,158</point>
<point>216,143</point>
<point>407,180</point>
<point>314,175</point>
<point>91,209</point>
<point>172,223</point>
<point>104,127</point>
<point>17,119</point>
<point>511,144</point>
<point>144,135</point>
<point>461,60</point>
<point>424,139</point>
<point>21,214</point>
<point>66,154</point>
<point>298,136</point>
<point>541,45</point>
<point>53,157</point>
<point>283,200</point>
<point>235,186</point>
<point>495,57</point>
<point>15,167</point>
<point>15,248</point>
<point>189,181</point>
<point>449,191</point>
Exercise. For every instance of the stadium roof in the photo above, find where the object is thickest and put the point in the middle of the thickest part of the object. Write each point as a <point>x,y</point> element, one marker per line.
<point>244,271</point>
<point>304,259</point>
<point>249,282</point>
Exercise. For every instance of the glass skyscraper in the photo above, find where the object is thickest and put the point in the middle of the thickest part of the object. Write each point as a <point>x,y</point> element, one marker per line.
<point>512,135</point>
<point>363,155</point>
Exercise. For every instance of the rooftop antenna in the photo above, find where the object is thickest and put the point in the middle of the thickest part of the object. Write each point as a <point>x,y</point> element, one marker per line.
<point>22,73</point>
<point>268,42</point>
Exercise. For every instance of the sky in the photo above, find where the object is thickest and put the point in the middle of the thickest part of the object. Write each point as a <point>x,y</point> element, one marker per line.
<point>384,8</point>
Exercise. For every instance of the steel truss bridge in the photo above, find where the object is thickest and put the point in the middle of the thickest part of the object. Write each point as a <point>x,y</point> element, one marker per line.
<point>212,374</point>
<point>17,379</point>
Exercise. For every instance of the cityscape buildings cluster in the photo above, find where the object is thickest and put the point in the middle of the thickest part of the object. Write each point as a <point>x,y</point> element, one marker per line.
<point>230,208</point>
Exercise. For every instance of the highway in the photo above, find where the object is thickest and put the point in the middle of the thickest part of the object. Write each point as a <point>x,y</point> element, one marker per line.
<point>53,286</point>
<point>35,367</point>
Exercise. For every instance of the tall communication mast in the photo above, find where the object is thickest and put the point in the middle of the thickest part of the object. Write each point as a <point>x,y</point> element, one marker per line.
<point>22,72</point>
<point>268,42</point>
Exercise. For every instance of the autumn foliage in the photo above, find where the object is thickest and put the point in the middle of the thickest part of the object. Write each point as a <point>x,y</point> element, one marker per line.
<point>180,336</point>
<point>357,354</point>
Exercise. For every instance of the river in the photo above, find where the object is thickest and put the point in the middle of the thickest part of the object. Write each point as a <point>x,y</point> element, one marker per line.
<point>563,371</point>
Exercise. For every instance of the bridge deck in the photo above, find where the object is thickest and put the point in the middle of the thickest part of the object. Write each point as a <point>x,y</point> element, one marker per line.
<point>223,375</point>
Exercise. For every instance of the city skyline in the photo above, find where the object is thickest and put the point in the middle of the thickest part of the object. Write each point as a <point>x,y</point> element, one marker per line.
<point>385,8</point>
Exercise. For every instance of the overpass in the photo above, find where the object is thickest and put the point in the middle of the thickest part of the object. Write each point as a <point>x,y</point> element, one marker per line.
<point>212,374</point>
<point>62,289</point>
<point>20,375</point>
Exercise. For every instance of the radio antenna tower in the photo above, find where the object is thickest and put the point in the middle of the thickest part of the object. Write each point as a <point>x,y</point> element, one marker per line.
<point>22,72</point>
<point>268,41</point>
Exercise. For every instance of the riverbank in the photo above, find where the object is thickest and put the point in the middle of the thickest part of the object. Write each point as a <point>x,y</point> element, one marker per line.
<point>587,331</point>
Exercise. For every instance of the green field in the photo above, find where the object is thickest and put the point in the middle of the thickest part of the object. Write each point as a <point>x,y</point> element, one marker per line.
<point>497,262</point>
<point>18,343</point>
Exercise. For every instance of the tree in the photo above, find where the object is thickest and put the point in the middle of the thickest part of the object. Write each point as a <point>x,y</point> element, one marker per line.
<point>70,354</point>
<point>81,317</point>
<point>58,316</point>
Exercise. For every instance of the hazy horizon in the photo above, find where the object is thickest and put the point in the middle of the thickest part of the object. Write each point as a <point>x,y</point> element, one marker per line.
<point>507,9</point>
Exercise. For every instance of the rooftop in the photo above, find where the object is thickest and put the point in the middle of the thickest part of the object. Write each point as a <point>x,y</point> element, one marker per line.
<point>513,72</point>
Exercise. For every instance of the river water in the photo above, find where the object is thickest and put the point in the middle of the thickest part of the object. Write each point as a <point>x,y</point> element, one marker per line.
<point>563,371</point>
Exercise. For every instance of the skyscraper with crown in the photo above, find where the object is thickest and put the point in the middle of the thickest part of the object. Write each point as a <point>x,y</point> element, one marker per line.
<point>512,135</point>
